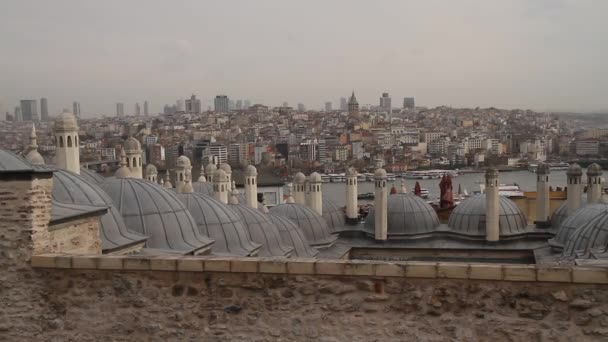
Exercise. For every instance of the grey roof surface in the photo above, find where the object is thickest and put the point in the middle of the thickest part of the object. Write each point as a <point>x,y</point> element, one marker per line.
<point>262,231</point>
<point>573,223</point>
<point>216,220</point>
<point>590,240</point>
<point>313,225</point>
<point>71,188</point>
<point>292,235</point>
<point>61,212</point>
<point>560,214</point>
<point>91,176</point>
<point>205,188</point>
<point>408,214</point>
<point>333,215</point>
<point>154,211</point>
<point>13,163</point>
<point>469,217</point>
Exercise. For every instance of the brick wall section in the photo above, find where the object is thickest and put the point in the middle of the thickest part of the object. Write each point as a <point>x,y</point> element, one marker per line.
<point>77,237</point>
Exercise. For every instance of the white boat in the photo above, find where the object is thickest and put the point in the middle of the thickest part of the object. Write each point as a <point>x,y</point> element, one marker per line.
<point>391,177</point>
<point>325,178</point>
<point>506,190</point>
<point>369,177</point>
<point>429,174</point>
<point>337,178</point>
<point>560,166</point>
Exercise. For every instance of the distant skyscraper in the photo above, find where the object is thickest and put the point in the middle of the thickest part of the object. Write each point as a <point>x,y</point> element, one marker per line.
<point>76,109</point>
<point>29,110</point>
<point>120,109</point>
<point>328,106</point>
<point>353,106</point>
<point>44,109</point>
<point>137,109</point>
<point>193,105</point>
<point>301,107</point>
<point>343,104</point>
<point>17,115</point>
<point>221,103</point>
<point>409,103</point>
<point>180,105</point>
<point>385,102</point>
<point>146,108</point>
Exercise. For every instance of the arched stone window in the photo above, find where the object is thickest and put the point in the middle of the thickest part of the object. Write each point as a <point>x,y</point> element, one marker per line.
<point>60,141</point>
<point>69,141</point>
<point>75,141</point>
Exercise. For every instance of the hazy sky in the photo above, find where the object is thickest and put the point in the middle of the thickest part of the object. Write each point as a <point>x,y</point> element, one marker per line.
<point>540,54</point>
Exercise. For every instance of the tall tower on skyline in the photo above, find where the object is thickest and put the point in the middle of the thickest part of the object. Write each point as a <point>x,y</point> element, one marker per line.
<point>137,109</point>
<point>120,109</point>
<point>76,108</point>
<point>353,106</point>
<point>385,102</point>
<point>29,110</point>
<point>146,108</point>
<point>221,104</point>
<point>44,109</point>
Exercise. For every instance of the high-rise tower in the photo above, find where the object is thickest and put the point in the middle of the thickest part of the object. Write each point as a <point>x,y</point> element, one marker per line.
<point>353,106</point>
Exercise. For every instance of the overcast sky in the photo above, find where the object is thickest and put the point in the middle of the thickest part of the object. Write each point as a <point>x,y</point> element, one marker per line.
<point>540,54</point>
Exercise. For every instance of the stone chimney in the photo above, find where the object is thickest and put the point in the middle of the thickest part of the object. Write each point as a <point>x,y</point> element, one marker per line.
<point>251,187</point>
<point>221,187</point>
<point>594,183</point>
<point>492,206</point>
<point>380,205</point>
<point>542,194</point>
<point>67,144</point>
<point>352,208</point>
<point>316,192</point>
<point>575,190</point>
<point>299,184</point>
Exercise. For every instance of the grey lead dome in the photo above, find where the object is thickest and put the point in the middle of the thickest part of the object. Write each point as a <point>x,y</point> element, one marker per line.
<point>408,215</point>
<point>155,212</point>
<point>74,189</point>
<point>292,235</point>
<point>469,217</point>
<point>222,224</point>
<point>312,224</point>
<point>574,221</point>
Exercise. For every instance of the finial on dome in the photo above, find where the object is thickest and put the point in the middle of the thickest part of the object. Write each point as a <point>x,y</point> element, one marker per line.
<point>33,156</point>
<point>123,171</point>
<point>167,182</point>
<point>161,181</point>
<point>403,189</point>
<point>233,194</point>
<point>290,194</point>
<point>187,188</point>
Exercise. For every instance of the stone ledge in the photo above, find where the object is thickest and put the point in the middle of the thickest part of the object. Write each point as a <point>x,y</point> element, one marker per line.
<point>302,266</point>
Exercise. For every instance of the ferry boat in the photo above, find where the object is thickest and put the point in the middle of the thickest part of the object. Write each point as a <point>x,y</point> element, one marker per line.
<point>369,176</point>
<point>429,174</point>
<point>560,166</point>
<point>337,177</point>
<point>325,178</point>
<point>506,190</point>
<point>391,177</point>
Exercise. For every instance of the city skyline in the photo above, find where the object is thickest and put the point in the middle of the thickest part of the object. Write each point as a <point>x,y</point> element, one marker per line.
<point>542,55</point>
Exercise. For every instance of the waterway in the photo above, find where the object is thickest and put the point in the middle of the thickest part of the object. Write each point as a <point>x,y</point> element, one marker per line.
<point>471,181</point>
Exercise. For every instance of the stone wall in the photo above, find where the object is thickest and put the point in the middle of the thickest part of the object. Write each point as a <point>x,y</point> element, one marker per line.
<point>76,237</point>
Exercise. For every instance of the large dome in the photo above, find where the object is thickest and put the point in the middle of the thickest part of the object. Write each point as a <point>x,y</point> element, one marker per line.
<point>74,189</point>
<point>262,231</point>
<point>154,211</point>
<point>223,225</point>
<point>469,217</point>
<point>313,225</point>
<point>573,222</point>
<point>333,215</point>
<point>408,215</point>
<point>292,235</point>
<point>592,236</point>
<point>560,214</point>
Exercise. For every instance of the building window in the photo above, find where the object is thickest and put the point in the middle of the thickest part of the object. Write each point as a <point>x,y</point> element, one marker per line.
<point>69,141</point>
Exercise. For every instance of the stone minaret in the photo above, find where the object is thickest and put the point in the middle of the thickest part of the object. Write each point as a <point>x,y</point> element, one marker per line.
<point>299,184</point>
<point>542,193</point>
<point>226,167</point>
<point>132,148</point>
<point>352,208</point>
<point>251,187</point>
<point>575,175</point>
<point>221,187</point>
<point>67,152</point>
<point>182,167</point>
<point>151,173</point>
<point>316,193</point>
<point>492,205</point>
<point>210,170</point>
<point>594,183</point>
<point>380,205</point>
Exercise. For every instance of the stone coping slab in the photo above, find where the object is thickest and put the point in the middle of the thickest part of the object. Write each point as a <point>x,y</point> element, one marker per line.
<point>351,268</point>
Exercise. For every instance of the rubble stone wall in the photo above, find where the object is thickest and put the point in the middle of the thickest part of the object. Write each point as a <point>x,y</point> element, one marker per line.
<point>76,237</point>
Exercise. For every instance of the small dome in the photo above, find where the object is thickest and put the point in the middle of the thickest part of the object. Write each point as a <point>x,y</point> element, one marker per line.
<point>408,215</point>
<point>594,170</point>
<point>313,225</point>
<point>91,176</point>
<point>315,178</point>
<point>155,211</point>
<point>220,176</point>
<point>222,224</point>
<point>574,221</point>
<point>226,167</point>
<point>34,157</point>
<point>380,173</point>
<point>183,162</point>
<point>299,178</point>
<point>560,214</point>
<point>591,235</point>
<point>292,235</point>
<point>543,169</point>
<point>71,188</point>
<point>469,217</point>
<point>263,231</point>
<point>351,171</point>
<point>123,172</point>
<point>210,170</point>
<point>574,170</point>
<point>333,215</point>
<point>65,122</point>
<point>250,170</point>
<point>151,170</point>
<point>132,144</point>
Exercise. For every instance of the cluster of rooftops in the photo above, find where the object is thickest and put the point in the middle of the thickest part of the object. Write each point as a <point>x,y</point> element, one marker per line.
<point>148,214</point>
